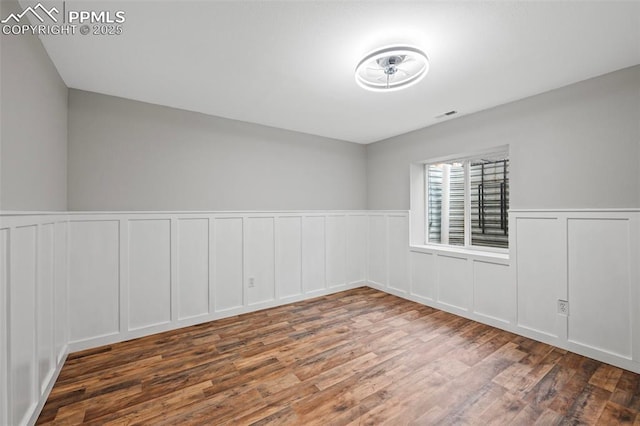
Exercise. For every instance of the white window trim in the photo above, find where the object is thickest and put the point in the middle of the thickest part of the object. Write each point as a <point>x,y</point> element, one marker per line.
<point>458,250</point>
<point>419,233</point>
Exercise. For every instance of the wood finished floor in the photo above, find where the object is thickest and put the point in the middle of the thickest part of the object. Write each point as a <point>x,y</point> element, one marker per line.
<point>356,357</point>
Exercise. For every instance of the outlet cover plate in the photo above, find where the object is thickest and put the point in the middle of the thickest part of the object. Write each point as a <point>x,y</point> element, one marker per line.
<point>563,307</point>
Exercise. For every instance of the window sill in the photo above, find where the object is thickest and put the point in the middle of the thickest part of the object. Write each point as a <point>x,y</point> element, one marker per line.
<point>455,251</point>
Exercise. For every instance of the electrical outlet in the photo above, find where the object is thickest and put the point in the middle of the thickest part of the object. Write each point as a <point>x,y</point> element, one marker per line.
<point>252,282</point>
<point>563,307</point>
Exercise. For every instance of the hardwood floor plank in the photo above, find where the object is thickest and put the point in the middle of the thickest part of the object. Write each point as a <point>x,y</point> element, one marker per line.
<point>549,418</point>
<point>606,377</point>
<point>357,357</point>
<point>503,411</point>
<point>544,392</point>
<point>588,405</point>
<point>627,392</point>
<point>614,414</point>
<point>149,409</point>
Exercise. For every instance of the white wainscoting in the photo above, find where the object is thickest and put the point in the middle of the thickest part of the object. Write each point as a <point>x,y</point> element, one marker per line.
<point>193,270</point>
<point>228,288</point>
<point>134,274</point>
<point>289,257</point>
<point>589,258</point>
<point>378,251</point>
<point>72,281</point>
<point>336,251</point>
<point>600,284</point>
<point>357,243</point>
<point>260,258</point>
<point>463,282</point>
<point>4,307</point>
<point>33,311</point>
<point>540,250</point>
<point>94,278</point>
<point>313,254</point>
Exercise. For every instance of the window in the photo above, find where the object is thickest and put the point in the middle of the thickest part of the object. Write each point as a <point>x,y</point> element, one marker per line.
<point>467,201</point>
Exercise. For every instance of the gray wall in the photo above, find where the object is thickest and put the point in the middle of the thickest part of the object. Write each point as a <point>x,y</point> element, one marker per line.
<point>574,147</point>
<point>129,155</point>
<point>33,122</point>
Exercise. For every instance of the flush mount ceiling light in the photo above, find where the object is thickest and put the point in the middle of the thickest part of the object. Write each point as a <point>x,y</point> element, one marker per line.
<point>392,68</point>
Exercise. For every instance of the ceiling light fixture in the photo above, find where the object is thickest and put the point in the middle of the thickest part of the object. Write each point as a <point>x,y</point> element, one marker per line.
<point>392,68</point>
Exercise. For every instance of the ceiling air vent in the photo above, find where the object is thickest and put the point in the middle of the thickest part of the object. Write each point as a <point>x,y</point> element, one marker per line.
<point>447,114</point>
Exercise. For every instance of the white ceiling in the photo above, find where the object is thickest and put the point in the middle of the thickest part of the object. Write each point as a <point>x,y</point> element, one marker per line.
<point>291,64</point>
